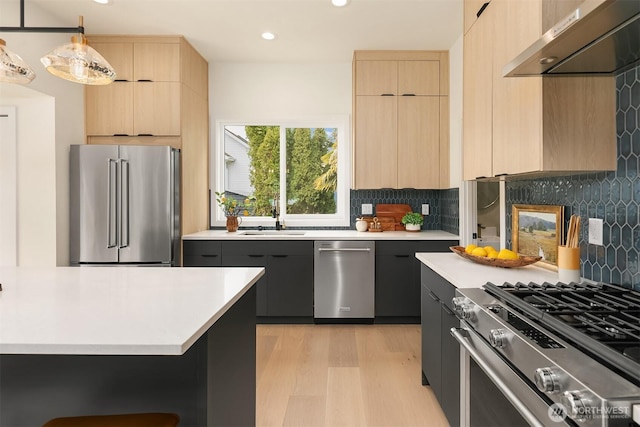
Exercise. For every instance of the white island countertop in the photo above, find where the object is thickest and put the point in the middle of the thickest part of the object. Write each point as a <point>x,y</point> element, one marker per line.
<point>290,234</point>
<point>463,273</point>
<point>114,310</point>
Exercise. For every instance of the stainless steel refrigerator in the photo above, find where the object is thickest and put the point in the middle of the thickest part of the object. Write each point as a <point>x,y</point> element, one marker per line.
<point>124,205</point>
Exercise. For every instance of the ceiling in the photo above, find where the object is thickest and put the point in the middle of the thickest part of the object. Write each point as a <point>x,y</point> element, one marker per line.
<point>306,31</point>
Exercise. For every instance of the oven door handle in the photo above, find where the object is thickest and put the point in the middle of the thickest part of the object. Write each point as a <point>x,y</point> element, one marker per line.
<point>459,334</point>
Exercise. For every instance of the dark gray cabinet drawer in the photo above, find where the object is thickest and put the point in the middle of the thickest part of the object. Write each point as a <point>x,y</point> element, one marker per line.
<point>410,247</point>
<point>201,253</point>
<point>267,247</point>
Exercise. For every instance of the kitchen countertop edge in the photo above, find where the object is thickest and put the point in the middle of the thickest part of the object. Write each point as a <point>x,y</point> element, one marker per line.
<point>463,273</point>
<point>323,235</point>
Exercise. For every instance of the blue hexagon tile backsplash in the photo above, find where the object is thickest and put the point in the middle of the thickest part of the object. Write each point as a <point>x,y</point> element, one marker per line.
<point>611,196</point>
<point>443,205</point>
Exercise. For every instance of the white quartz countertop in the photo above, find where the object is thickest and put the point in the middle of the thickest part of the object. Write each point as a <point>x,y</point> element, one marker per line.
<point>320,235</point>
<point>463,273</point>
<point>114,310</point>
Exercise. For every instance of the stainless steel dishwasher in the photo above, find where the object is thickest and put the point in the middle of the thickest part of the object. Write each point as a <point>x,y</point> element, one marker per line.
<point>344,280</point>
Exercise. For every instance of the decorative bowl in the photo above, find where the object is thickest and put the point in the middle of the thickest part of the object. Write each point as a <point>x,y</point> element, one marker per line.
<point>495,262</point>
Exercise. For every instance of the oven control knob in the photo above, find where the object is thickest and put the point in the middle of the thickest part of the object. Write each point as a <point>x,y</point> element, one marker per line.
<point>497,338</point>
<point>576,405</point>
<point>462,309</point>
<point>546,380</point>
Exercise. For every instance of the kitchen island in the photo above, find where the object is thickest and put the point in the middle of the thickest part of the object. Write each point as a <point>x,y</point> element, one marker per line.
<point>104,340</point>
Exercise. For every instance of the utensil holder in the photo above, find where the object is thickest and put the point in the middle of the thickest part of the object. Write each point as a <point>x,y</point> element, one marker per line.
<point>568,264</point>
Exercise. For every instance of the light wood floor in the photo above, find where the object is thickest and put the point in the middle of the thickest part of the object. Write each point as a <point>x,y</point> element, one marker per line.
<point>342,375</point>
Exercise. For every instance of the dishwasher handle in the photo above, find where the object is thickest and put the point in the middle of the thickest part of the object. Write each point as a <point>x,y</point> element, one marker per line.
<point>344,249</point>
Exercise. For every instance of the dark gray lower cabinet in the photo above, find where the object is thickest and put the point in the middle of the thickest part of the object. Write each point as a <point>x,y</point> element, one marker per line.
<point>285,290</point>
<point>290,285</point>
<point>398,277</point>
<point>440,351</point>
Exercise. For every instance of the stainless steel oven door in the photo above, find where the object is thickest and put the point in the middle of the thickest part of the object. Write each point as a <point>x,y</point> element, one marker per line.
<point>492,393</point>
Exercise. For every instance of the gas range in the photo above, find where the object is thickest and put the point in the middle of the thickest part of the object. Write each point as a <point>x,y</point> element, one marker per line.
<point>576,345</point>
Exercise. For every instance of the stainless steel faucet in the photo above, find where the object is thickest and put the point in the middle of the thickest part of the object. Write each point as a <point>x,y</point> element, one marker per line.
<point>275,212</point>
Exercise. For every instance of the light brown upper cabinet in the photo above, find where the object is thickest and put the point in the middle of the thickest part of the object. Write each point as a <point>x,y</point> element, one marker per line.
<point>477,85</point>
<point>400,112</point>
<point>530,125</point>
<point>161,97</point>
<point>472,9</point>
<point>145,98</point>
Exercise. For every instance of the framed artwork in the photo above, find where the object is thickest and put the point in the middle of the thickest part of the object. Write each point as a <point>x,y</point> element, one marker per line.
<point>537,231</point>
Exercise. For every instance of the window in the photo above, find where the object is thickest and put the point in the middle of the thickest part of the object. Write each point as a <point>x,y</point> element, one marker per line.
<point>298,168</point>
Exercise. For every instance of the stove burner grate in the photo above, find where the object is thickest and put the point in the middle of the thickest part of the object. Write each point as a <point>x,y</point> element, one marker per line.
<point>602,319</point>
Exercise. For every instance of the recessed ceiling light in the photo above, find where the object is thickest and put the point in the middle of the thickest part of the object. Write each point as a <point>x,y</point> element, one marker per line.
<point>339,3</point>
<point>268,35</point>
<point>102,1</point>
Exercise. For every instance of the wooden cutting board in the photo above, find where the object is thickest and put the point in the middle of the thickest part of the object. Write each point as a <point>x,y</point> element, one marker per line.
<point>395,211</point>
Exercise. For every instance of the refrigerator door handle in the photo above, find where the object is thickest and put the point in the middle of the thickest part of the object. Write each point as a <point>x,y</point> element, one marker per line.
<point>124,203</point>
<point>112,236</point>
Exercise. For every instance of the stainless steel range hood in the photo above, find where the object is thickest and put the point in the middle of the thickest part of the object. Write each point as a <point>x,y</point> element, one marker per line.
<point>601,37</point>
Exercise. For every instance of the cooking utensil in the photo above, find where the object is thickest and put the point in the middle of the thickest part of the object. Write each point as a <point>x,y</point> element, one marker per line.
<point>573,233</point>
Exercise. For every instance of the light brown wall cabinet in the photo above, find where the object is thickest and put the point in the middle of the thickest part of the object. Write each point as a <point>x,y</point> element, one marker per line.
<point>401,116</point>
<point>160,97</point>
<point>530,125</point>
<point>147,87</point>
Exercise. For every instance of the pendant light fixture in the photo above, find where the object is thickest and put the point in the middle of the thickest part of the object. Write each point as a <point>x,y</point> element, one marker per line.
<point>13,69</point>
<point>76,61</point>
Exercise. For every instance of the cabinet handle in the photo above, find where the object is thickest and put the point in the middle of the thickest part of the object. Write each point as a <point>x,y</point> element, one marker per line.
<point>401,256</point>
<point>145,134</point>
<point>144,80</point>
<point>433,296</point>
<point>502,174</point>
<point>480,177</point>
<point>387,94</point>
<point>208,255</point>
<point>120,134</point>
<point>256,256</point>
<point>408,94</point>
<point>279,256</point>
<point>447,309</point>
<point>121,80</point>
<point>482,8</point>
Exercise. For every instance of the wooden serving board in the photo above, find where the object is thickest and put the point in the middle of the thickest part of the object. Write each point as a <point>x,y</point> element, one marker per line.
<point>395,211</point>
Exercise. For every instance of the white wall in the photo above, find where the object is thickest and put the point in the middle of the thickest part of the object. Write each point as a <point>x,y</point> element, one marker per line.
<point>8,187</point>
<point>35,174</point>
<point>276,91</point>
<point>68,129</point>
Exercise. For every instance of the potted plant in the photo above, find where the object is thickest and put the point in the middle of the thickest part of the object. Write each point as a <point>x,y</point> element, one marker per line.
<point>412,221</point>
<point>232,208</point>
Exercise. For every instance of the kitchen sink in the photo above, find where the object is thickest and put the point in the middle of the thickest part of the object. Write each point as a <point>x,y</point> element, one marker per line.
<point>272,233</point>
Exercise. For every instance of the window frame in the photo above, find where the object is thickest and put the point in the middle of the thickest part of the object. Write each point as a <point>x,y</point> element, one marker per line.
<point>342,216</point>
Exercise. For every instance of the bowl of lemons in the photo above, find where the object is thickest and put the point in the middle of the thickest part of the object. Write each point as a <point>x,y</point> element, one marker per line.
<point>488,255</point>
